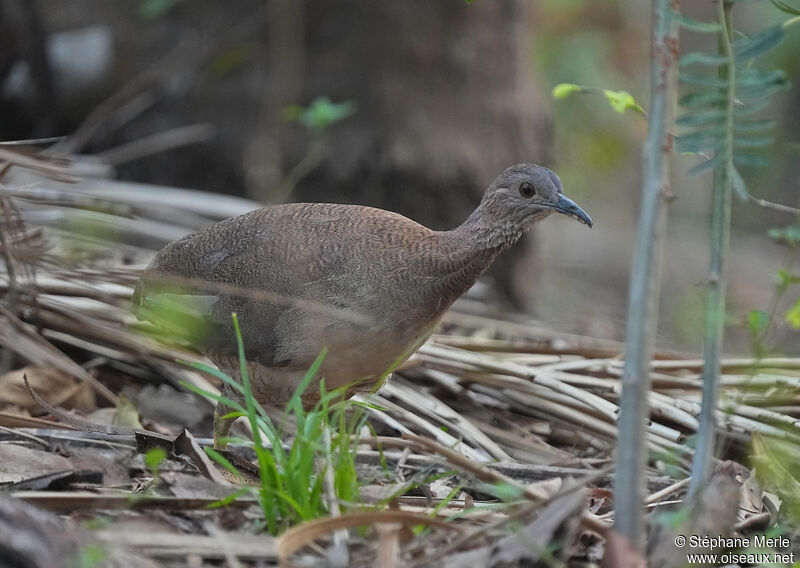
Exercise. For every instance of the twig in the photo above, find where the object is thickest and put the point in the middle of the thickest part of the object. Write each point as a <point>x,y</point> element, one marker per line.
<point>530,492</point>
<point>33,346</point>
<point>147,87</point>
<point>340,555</point>
<point>159,142</point>
<point>87,426</point>
<point>36,164</point>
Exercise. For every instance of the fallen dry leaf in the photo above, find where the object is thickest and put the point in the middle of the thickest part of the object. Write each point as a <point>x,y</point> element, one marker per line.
<point>62,389</point>
<point>37,539</point>
<point>20,462</point>
<point>530,541</point>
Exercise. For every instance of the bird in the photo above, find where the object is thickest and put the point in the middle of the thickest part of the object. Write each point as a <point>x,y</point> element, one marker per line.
<point>366,285</point>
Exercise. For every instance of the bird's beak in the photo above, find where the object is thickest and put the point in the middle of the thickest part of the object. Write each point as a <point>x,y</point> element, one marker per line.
<point>569,208</point>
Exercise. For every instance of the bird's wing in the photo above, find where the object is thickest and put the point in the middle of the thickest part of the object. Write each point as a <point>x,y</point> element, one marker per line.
<point>193,285</point>
<point>297,275</point>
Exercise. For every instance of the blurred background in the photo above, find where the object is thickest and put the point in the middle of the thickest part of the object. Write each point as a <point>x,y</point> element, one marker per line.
<point>412,106</point>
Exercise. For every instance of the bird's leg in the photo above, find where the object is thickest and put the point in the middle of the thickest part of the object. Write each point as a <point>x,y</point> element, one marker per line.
<point>223,425</point>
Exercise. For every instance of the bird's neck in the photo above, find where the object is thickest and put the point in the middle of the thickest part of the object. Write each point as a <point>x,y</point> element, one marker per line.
<point>465,253</point>
<point>482,232</point>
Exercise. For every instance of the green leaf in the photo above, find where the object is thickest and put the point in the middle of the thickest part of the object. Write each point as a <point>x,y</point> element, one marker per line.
<point>784,7</point>
<point>703,80</point>
<point>750,160</point>
<point>223,461</point>
<point>753,78</point>
<point>700,140</point>
<point>757,95</point>
<point>789,235</point>
<point>321,114</point>
<point>296,401</point>
<point>153,459</point>
<point>702,117</point>
<point>753,142</point>
<point>753,46</point>
<point>227,500</point>
<point>508,491</point>
<point>757,322</point>
<point>754,125</point>
<point>707,165</point>
<point>621,101</point>
<point>702,58</point>
<point>563,90</point>
<point>230,60</point>
<point>785,278</point>
<point>155,9</point>
<point>739,186</point>
<point>695,25</point>
<point>702,99</point>
<point>793,315</point>
<point>749,107</point>
<point>90,556</point>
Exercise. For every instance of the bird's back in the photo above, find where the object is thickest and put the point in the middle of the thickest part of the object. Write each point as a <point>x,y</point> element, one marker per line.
<point>293,248</point>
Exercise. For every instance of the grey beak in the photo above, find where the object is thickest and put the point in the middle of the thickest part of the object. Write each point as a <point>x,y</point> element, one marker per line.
<point>569,208</point>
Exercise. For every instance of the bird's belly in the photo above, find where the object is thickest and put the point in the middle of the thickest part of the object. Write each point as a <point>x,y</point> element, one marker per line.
<point>356,364</point>
<point>368,356</point>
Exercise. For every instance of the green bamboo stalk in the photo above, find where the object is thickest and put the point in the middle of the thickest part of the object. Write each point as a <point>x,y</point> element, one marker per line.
<point>717,280</point>
<point>646,278</point>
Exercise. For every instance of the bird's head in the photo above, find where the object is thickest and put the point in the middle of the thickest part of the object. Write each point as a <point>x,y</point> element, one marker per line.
<point>527,193</point>
<point>519,197</point>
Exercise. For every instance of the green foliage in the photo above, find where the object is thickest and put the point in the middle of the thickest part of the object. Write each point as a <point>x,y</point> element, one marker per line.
<point>696,25</point>
<point>757,322</point>
<point>784,7</point>
<point>97,523</point>
<point>785,279</point>
<point>155,9</point>
<point>178,314</point>
<point>291,484</point>
<point>223,461</point>
<point>793,315</point>
<point>153,459</point>
<point>321,114</point>
<point>786,235</point>
<point>775,465</point>
<point>230,60</point>
<point>91,556</point>
<point>751,47</point>
<point>714,129</point>
<point>620,101</point>
<point>760,322</point>
<point>563,90</point>
<point>508,492</point>
<point>317,117</point>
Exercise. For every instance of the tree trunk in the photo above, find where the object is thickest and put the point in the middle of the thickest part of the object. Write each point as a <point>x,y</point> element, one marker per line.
<point>445,96</point>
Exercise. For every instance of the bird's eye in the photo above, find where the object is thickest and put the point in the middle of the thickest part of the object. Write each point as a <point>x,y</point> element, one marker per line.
<point>526,189</point>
